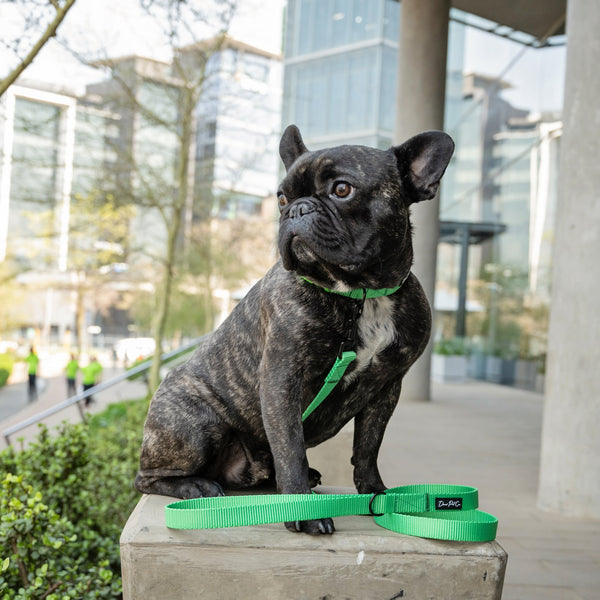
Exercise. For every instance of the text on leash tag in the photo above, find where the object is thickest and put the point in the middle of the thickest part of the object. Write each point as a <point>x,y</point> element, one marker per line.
<point>448,504</point>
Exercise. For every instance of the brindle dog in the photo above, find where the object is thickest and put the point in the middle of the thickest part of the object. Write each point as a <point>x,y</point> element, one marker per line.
<point>231,415</point>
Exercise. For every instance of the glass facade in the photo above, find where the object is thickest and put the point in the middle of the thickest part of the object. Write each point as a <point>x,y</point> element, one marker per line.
<point>35,158</point>
<point>341,58</point>
<point>238,118</point>
<point>156,136</point>
<point>325,24</point>
<point>340,70</point>
<point>96,135</point>
<point>34,182</point>
<point>61,150</point>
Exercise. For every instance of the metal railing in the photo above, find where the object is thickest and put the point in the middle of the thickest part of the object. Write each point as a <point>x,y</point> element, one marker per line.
<point>141,368</point>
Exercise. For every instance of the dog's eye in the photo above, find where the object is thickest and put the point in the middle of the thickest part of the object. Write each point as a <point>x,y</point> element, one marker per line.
<point>341,189</point>
<point>282,199</point>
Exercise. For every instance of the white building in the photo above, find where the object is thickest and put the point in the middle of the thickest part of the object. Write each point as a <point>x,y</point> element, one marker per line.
<point>56,146</point>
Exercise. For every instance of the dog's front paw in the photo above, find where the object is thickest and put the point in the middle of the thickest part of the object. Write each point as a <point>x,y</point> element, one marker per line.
<point>312,527</point>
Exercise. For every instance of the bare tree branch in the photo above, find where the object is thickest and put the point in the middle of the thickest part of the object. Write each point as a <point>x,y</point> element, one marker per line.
<point>61,13</point>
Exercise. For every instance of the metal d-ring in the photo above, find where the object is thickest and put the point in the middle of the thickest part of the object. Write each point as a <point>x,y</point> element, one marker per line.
<point>371,504</point>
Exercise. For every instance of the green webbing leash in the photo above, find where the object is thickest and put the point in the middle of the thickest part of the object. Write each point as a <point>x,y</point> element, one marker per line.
<point>331,380</point>
<point>443,512</point>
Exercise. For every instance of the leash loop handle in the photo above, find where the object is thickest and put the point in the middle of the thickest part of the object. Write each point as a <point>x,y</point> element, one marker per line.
<point>444,512</point>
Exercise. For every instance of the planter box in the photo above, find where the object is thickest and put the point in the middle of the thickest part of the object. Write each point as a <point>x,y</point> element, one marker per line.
<point>507,371</point>
<point>526,374</point>
<point>449,368</point>
<point>476,366</point>
<point>493,369</point>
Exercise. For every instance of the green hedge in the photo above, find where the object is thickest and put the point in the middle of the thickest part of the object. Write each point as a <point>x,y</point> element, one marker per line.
<point>6,367</point>
<point>451,347</point>
<point>63,503</point>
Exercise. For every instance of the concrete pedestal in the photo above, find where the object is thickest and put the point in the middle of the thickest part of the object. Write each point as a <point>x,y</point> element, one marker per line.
<point>360,561</point>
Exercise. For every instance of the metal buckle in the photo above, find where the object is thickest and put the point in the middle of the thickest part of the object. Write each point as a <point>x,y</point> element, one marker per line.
<point>371,504</point>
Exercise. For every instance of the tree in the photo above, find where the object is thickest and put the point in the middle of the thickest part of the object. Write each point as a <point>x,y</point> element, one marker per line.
<point>35,13</point>
<point>11,300</point>
<point>98,247</point>
<point>99,233</point>
<point>158,109</point>
<point>159,104</point>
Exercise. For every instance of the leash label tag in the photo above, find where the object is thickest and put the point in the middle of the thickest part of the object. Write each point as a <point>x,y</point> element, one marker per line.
<point>448,503</point>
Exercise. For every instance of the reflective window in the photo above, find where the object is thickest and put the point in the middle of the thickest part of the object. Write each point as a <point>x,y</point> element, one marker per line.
<point>230,205</point>
<point>325,24</point>
<point>35,164</point>
<point>348,88</point>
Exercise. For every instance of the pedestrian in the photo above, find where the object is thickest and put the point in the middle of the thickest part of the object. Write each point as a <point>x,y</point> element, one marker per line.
<point>71,371</point>
<point>33,362</point>
<point>91,377</point>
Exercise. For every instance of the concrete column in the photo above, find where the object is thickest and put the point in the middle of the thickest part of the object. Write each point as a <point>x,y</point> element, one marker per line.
<point>570,454</point>
<point>420,107</point>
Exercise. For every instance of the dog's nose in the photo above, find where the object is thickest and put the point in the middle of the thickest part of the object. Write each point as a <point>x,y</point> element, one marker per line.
<point>300,208</point>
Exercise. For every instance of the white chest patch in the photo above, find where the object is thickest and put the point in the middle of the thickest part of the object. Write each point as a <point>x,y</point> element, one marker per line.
<point>376,330</point>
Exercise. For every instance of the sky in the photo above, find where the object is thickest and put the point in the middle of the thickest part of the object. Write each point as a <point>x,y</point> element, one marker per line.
<point>120,28</point>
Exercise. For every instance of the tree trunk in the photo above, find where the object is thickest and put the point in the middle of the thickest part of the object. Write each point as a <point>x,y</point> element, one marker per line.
<point>173,231</point>
<point>162,308</point>
<point>80,336</point>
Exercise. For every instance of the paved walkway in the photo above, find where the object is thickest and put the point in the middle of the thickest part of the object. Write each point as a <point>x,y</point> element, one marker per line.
<point>487,436</point>
<point>52,389</point>
<point>476,434</point>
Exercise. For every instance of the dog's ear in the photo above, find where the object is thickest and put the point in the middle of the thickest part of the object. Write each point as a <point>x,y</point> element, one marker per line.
<point>422,161</point>
<point>291,146</point>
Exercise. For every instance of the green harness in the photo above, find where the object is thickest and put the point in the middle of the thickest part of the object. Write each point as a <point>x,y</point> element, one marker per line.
<point>444,512</point>
<point>347,353</point>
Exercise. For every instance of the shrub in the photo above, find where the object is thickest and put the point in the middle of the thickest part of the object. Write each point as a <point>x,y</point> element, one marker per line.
<point>64,501</point>
<point>45,559</point>
<point>451,347</point>
<point>6,367</point>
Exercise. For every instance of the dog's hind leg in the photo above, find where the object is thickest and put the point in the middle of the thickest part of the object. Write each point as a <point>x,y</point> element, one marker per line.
<point>180,450</point>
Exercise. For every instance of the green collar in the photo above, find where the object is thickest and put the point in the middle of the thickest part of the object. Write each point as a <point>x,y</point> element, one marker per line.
<point>360,293</point>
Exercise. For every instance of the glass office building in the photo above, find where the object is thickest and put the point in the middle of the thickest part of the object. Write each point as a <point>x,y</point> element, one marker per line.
<point>340,65</point>
<point>238,117</point>
<point>54,146</point>
<point>341,58</point>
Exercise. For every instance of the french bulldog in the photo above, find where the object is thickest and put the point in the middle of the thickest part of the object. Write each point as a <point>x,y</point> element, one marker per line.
<point>231,416</point>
